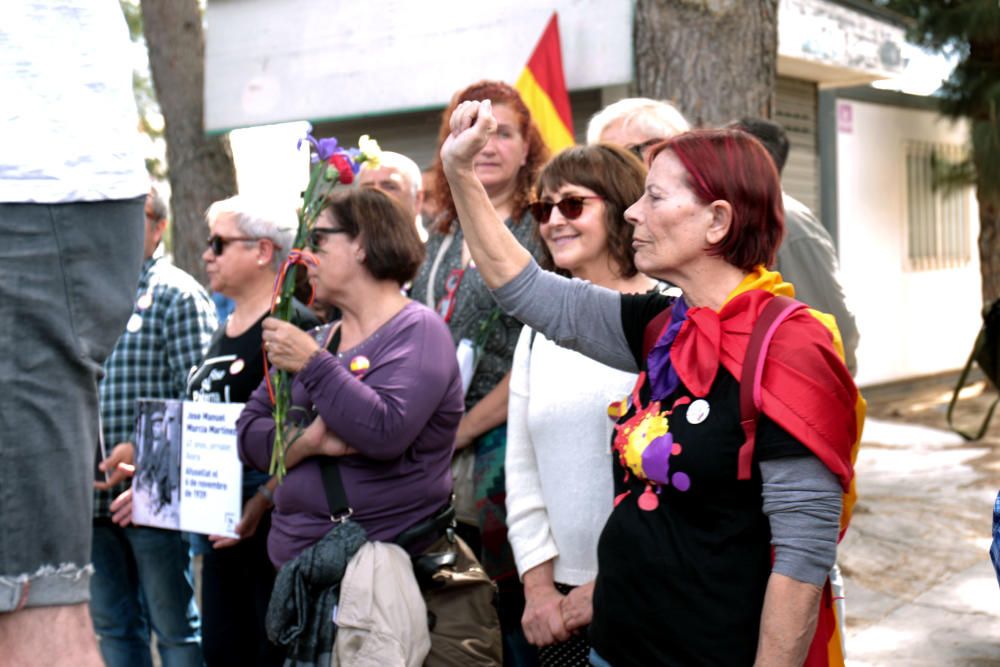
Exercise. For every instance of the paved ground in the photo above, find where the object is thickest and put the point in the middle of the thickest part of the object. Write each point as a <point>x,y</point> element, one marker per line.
<point>920,586</point>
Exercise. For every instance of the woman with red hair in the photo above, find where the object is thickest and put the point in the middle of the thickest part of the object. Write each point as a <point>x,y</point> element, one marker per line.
<point>505,167</point>
<point>725,525</point>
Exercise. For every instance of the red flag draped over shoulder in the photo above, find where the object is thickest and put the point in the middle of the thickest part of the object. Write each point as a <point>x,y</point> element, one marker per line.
<point>543,88</point>
<point>806,389</point>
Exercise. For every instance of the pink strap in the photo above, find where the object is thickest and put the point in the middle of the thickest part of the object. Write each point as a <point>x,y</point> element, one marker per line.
<point>774,313</point>
<point>788,309</point>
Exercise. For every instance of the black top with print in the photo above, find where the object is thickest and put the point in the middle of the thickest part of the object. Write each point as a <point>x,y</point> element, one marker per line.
<point>683,584</point>
<point>233,367</point>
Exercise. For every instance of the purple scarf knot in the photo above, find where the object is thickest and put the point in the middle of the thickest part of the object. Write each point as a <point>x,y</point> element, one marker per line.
<point>663,379</point>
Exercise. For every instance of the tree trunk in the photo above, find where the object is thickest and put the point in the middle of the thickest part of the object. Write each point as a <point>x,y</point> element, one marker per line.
<point>984,51</point>
<point>989,241</point>
<point>714,59</point>
<point>199,167</point>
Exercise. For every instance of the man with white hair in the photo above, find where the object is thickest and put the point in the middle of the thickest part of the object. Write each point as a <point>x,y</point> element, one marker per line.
<point>399,177</point>
<point>636,123</point>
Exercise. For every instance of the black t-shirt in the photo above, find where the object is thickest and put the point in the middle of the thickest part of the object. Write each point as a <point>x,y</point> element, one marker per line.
<point>233,367</point>
<point>683,583</point>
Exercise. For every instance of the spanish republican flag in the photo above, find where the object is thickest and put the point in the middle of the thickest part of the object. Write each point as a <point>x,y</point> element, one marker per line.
<point>543,88</point>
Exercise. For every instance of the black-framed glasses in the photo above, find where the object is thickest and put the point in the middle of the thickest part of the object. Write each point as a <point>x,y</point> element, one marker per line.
<point>639,150</point>
<point>218,243</point>
<point>317,234</point>
<point>571,208</point>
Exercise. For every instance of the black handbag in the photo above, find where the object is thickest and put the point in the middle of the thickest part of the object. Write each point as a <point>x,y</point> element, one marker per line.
<point>986,354</point>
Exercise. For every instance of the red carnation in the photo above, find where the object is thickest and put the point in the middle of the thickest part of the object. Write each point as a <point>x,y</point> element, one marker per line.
<point>343,166</point>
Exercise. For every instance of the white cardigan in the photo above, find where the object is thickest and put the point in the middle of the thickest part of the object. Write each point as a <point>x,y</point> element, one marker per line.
<point>559,469</point>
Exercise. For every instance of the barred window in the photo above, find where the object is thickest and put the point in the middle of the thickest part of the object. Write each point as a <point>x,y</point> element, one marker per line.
<point>937,217</point>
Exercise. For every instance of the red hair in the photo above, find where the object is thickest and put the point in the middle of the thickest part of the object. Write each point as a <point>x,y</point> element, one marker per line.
<point>732,166</point>
<point>538,153</point>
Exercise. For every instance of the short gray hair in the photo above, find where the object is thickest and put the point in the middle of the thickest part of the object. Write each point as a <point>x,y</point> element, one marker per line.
<point>403,165</point>
<point>652,117</point>
<point>260,220</point>
<point>158,204</point>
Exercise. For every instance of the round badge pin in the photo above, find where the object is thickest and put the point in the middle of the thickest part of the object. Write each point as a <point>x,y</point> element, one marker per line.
<point>144,301</point>
<point>236,367</point>
<point>360,364</point>
<point>698,411</point>
<point>134,323</point>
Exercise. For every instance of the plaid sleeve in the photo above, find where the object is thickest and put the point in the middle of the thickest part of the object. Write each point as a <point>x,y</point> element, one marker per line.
<point>188,326</point>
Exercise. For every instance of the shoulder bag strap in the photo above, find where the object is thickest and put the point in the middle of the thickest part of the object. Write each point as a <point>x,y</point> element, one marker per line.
<point>776,310</point>
<point>333,485</point>
<point>430,299</point>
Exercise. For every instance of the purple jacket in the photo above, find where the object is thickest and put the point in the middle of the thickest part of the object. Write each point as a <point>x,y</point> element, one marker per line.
<point>401,414</point>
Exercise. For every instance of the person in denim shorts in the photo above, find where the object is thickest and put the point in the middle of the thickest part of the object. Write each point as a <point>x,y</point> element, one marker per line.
<point>72,186</point>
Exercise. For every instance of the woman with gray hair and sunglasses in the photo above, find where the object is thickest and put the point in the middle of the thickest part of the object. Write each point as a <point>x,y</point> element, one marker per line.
<point>248,242</point>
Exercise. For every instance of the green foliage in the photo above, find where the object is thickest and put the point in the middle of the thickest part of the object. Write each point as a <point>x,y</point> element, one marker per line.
<point>969,29</point>
<point>150,118</point>
<point>950,176</point>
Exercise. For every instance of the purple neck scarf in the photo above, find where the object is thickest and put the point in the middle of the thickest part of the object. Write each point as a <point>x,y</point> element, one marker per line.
<point>663,379</point>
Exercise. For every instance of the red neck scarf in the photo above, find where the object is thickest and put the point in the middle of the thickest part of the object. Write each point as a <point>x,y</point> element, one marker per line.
<point>806,388</point>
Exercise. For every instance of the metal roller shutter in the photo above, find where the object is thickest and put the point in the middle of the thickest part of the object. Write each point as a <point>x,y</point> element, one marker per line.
<point>795,109</point>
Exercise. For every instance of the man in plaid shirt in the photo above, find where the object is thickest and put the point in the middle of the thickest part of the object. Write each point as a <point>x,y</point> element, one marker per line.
<point>143,576</point>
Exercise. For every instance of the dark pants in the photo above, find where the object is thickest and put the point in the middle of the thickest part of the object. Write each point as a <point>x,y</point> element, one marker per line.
<point>143,578</point>
<point>68,274</point>
<point>236,585</point>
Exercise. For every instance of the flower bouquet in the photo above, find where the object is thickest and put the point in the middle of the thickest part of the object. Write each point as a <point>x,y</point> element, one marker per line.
<point>331,164</point>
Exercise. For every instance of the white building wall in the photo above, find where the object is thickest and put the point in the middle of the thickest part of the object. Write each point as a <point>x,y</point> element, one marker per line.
<point>272,61</point>
<point>911,322</point>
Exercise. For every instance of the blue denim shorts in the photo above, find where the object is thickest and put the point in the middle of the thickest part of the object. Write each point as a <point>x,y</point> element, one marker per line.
<point>68,274</point>
<point>995,546</point>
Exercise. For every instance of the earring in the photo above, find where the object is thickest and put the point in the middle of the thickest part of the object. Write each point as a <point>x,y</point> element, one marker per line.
<point>260,262</point>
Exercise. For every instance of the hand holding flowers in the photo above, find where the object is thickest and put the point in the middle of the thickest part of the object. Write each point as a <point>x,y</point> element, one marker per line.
<point>332,164</point>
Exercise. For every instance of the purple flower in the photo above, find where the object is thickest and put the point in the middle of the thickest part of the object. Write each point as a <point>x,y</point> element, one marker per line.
<point>323,148</point>
<point>354,154</point>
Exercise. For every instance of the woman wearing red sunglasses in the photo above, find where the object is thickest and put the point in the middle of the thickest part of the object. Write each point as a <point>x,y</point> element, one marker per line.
<point>559,483</point>
<point>731,490</point>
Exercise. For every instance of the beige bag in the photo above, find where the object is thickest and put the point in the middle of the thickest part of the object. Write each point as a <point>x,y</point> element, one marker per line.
<point>381,615</point>
<point>465,629</point>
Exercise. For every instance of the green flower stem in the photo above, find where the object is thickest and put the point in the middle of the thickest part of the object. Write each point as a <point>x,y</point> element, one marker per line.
<point>284,432</point>
<point>322,180</point>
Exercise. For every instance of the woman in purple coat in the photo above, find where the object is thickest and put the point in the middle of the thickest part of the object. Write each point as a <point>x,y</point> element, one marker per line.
<point>380,389</point>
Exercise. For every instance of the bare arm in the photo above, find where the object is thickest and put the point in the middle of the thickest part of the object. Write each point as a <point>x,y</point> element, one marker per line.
<point>787,622</point>
<point>542,619</point>
<point>488,413</point>
<point>498,255</point>
<point>802,500</point>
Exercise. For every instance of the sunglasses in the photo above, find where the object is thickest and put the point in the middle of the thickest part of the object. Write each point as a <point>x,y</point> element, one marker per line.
<point>570,208</point>
<point>218,243</point>
<point>317,234</point>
